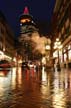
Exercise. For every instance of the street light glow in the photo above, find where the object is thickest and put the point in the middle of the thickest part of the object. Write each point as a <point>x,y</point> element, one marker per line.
<point>48,47</point>
<point>57,44</point>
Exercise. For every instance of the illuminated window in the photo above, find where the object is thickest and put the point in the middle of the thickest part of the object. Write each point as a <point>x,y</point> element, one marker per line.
<point>25,20</point>
<point>69,54</point>
<point>65,57</point>
<point>69,47</point>
<point>55,54</point>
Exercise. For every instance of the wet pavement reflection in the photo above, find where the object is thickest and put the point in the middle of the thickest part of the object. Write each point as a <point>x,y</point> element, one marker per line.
<point>35,89</point>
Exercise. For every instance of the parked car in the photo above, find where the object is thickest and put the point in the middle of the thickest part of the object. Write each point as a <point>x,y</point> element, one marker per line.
<point>31,65</point>
<point>5,64</point>
<point>25,65</point>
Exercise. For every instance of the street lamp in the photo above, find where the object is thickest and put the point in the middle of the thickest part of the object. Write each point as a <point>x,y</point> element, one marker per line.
<point>58,46</point>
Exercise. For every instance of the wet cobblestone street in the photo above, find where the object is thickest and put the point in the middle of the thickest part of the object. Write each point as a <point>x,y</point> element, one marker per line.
<point>43,89</point>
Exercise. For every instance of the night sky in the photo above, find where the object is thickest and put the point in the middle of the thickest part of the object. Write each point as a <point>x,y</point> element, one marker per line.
<point>41,10</point>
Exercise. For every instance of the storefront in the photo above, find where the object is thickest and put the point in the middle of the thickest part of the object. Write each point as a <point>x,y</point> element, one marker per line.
<point>67,55</point>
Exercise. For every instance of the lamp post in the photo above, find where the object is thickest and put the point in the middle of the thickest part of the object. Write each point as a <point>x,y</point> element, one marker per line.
<point>58,46</point>
<point>47,49</point>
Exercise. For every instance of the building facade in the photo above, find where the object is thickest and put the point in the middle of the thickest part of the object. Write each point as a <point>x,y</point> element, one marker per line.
<point>62,32</point>
<point>6,39</point>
